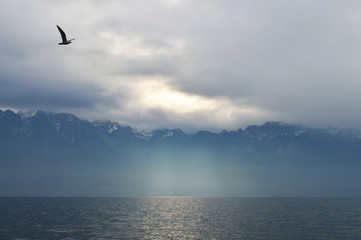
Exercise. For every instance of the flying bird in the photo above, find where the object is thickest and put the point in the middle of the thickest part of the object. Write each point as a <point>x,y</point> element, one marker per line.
<point>63,36</point>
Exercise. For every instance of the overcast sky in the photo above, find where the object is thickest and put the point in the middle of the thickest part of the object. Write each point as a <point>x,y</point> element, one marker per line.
<point>192,64</point>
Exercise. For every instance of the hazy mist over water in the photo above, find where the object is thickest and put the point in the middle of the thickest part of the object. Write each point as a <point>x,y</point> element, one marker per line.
<point>182,177</point>
<point>180,218</point>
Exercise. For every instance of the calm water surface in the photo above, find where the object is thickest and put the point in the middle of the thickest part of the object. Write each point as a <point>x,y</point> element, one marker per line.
<point>179,218</point>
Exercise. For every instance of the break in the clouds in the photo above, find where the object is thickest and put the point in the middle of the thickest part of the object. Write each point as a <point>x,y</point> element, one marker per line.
<point>189,64</point>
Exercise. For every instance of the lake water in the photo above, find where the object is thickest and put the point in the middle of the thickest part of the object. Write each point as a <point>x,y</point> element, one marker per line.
<point>179,218</point>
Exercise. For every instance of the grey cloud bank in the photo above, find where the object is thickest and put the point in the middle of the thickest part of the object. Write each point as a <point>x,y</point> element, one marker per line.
<point>188,64</point>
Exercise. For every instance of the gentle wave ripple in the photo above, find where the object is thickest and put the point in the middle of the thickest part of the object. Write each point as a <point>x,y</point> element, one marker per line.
<point>179,218</point>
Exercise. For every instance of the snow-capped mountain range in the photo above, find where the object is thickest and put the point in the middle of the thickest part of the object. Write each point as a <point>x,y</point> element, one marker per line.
<point>67,132</point>
<point>23,123</point>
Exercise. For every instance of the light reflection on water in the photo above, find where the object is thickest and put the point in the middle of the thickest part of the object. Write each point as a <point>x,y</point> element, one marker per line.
<point>179,218</point>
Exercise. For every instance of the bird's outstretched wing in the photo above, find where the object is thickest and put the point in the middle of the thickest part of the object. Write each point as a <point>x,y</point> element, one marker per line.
<point>62,33</point>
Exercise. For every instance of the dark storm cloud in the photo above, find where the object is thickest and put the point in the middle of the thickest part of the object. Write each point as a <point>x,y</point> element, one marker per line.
<point>36,95</point>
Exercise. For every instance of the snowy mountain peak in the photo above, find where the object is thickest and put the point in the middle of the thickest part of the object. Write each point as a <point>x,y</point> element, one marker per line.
<point>27,114</point>
<point>107,126</point>
<point>144,135</point>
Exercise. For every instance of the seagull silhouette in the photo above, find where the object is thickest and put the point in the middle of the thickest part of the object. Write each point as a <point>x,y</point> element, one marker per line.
<point>63,36</point>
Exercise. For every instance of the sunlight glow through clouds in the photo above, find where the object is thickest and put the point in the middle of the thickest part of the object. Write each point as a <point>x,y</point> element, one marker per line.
<point>156,94</point>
